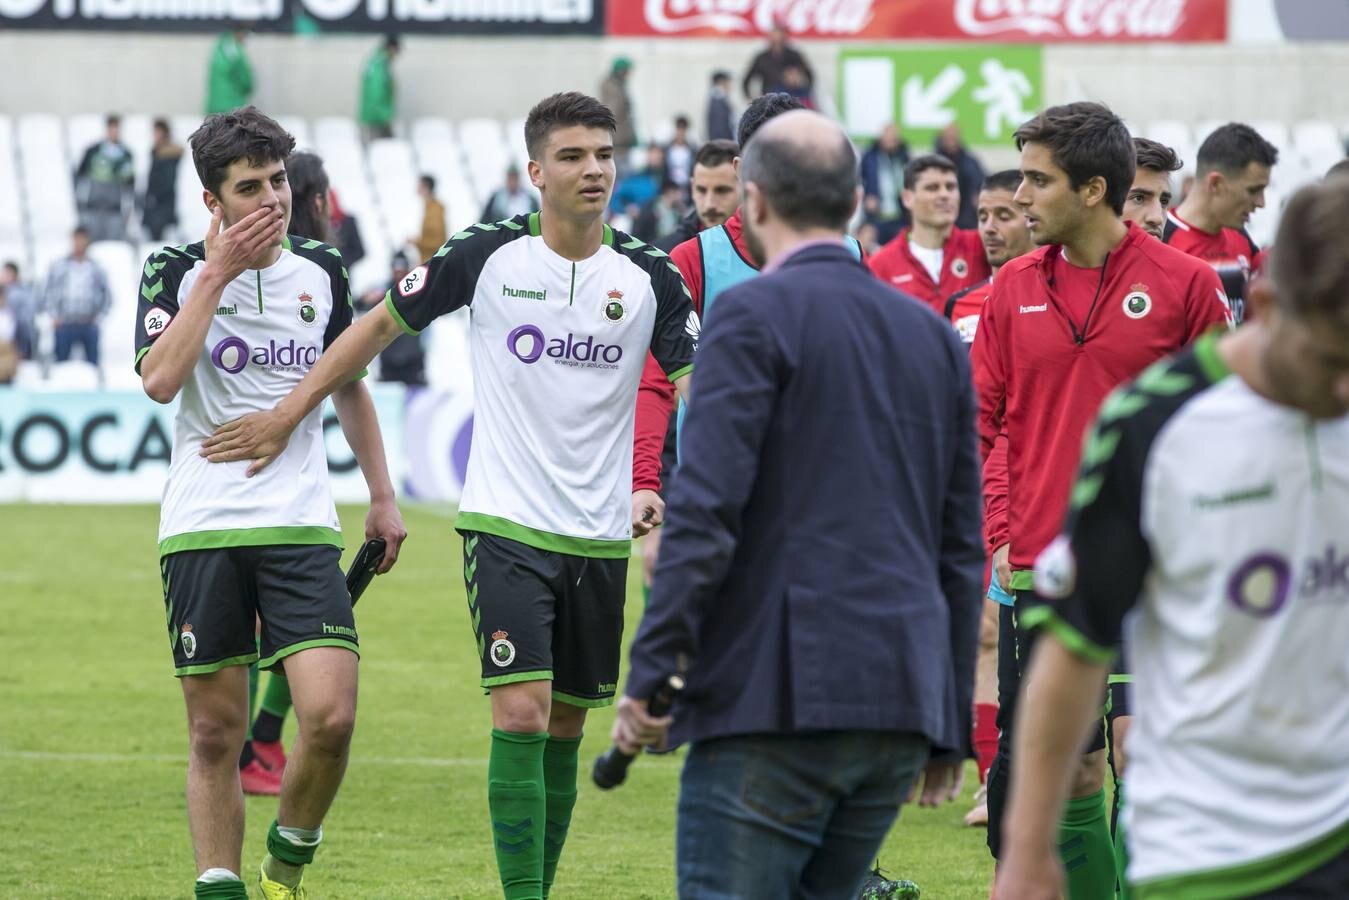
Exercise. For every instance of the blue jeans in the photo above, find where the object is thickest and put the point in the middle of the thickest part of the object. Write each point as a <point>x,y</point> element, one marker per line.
<point>69,334</point>
<point>789,816</point>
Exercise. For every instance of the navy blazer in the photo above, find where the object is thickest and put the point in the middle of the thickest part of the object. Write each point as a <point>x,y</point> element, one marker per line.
<point>822,558</point>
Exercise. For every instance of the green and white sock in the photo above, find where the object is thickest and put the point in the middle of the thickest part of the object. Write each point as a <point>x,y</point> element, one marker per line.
<point>220,884</point>
<point>559,785</point>
<point>1085,847</point>
<point>289,850</point>
<point>515,797</point>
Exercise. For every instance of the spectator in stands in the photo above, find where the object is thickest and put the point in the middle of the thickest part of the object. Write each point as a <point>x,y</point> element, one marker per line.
<point>969,174</point>
<point>882,181</point>
<point>77,297</point>
<point>679,155</point>
<point>159,206</point>
<point>229,81</point>
<point>346,235</point>
<point>614,94</point>
<point>404,360</point>
<point>795,85</point>
<point>104,182</point>
<point>720,115</point>
<point>661,214</point>
<point>433,233</point>
<point>511,199</point>
<point>637,189</point>
<point>768,72</point>
<point>9,351</point>
<point>23,303</point>
<point>716,193</point>
<point>378,91</point>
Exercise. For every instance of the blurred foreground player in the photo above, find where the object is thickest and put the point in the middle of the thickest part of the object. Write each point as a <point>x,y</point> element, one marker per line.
<point>798,766</point>
<point>231,324</point>
<point>1209,526</point>
<point>1095,304</point>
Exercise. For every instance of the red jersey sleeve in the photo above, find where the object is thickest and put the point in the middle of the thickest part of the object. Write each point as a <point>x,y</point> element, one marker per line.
<point>1205,303</point>
<point>987,357</point>
<point>656,393</point>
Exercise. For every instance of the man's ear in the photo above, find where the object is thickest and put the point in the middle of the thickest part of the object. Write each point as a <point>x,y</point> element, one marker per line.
<point>535,174</point>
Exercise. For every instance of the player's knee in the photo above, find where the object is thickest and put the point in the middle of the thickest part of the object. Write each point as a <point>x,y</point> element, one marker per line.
<point>1090,775</point>
<point>522,708</point>
<point>566,721</point>
<point>215,739</point>
<point>329,729</point>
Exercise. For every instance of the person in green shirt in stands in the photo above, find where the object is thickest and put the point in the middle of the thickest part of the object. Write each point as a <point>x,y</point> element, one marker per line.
<point>377,91</point>
<point>229,82</point>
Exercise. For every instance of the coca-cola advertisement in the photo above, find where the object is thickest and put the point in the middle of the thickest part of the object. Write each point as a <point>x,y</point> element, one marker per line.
<point>1004,21</point>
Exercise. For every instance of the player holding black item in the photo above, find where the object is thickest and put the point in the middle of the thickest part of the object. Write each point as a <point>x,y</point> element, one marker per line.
<point>564,312</point>
<point>1231,174</point>
<point>230,325</point>
<point>1208,523</point>
<point>1095,304</point>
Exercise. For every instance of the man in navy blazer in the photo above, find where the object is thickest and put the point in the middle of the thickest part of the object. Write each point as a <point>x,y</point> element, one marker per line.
<point>819,580</point>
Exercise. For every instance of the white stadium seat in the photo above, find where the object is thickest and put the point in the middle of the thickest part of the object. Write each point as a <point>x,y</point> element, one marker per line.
<point>46,176</point>
<point>431,128</point>
<point>1319,145</point>
<point>1176,135</point>
<point>299,129</point>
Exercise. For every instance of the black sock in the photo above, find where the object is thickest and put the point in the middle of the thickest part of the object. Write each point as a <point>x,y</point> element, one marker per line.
<point>267,727</point>
<point>246,755</point>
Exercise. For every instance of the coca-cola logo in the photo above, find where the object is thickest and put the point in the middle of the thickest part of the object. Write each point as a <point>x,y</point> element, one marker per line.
<point>1071,18</point>
<point>759,16</point>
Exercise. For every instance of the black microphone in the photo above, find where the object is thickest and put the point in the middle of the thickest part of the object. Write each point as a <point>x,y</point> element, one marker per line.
<point>611,768</point>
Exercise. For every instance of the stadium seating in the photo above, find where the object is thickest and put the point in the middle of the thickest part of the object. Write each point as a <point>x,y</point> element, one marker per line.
<point>376,182</point>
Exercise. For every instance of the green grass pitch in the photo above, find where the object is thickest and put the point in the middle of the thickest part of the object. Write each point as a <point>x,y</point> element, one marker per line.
<point>93,741</point>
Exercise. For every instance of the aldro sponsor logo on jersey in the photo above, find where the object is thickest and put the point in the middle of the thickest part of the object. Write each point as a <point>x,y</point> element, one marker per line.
<point>232,355</point>
<point>529,344</point>
<point>1264,583</point>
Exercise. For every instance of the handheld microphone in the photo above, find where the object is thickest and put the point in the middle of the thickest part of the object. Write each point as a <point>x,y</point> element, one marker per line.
<point>611,768</point>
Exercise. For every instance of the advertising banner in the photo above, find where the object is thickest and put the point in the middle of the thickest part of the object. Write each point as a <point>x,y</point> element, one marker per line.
<point>988,90</point>
<point>499,17</point>
<point>114,446</point>
<point>1017,21</point>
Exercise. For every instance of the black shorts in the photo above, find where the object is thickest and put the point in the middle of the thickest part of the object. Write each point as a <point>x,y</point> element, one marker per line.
<point>214,599</point>
<point>539,615</point>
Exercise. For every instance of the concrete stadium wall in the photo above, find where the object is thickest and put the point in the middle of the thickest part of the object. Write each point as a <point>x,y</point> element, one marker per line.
<point>501,77</point>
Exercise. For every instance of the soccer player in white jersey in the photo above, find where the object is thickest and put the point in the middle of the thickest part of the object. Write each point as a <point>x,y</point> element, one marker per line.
<point>1210,524</point>
<point>564,311</point>
<point>229,326</point>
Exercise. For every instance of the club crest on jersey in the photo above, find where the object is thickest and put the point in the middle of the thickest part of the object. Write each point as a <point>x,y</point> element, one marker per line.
<point>960,268</point>
<point>308,315</point>
<point>156,320</point>
<point>189,641</point>
<point>614,310</point>
<point>1137,303</point>
<point>502,651</point>
<point>413,282</point>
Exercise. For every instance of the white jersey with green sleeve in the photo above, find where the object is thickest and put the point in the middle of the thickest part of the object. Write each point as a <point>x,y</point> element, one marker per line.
<point>558,348</point>
<point>270,327</point>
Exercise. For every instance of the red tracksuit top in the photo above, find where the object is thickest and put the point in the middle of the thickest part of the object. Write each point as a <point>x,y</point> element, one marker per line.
<point>963,265</point>
<point>1040,377</point>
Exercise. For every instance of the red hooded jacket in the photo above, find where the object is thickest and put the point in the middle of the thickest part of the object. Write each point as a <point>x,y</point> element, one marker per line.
<point>1044,362</point>
<point>963,265</point>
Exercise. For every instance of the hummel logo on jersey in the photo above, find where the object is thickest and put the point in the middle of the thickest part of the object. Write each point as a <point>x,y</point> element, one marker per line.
<point>1240,495</point>
<point>526,294</point>
<point>1043,307</point>
<point>227,310</point>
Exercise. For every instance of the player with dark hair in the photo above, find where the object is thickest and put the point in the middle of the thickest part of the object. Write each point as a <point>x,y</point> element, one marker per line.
<point>1231,174</point>
<point>1207,529</point>
<point>1091,307</point>
<point>565,310</point>
<point>230,325</point>
<point>1150,194</point>
<point>931,259</point>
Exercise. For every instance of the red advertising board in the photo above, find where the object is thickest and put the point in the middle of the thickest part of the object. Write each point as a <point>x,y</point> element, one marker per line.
<point>1037,21</point>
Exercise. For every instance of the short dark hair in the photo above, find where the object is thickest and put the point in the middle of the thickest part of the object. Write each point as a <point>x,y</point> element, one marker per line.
<point>224,138</point>
<point>430,181</point>
<point>1006,180</point>
<point>308,179</point>
<point>12,266</point>
<point>163,124</point>
<point>1086,140</point>
<point>807,187</point>
<point>1155,156</point>
<point>760,111</point>
<point>1311,275</point>
<point>1232,147</point>
<point>79,231</point>
<point>563,111</point>
<point>112,119</point>
<point>392,42</point>
<point>681,121</point>
<point>920,164</point>
<point>716,153</point>
<point>720,75</point>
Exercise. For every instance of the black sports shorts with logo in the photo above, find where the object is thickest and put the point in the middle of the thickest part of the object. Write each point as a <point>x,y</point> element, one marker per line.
<point>540,615</point>
<point>214,598</point>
